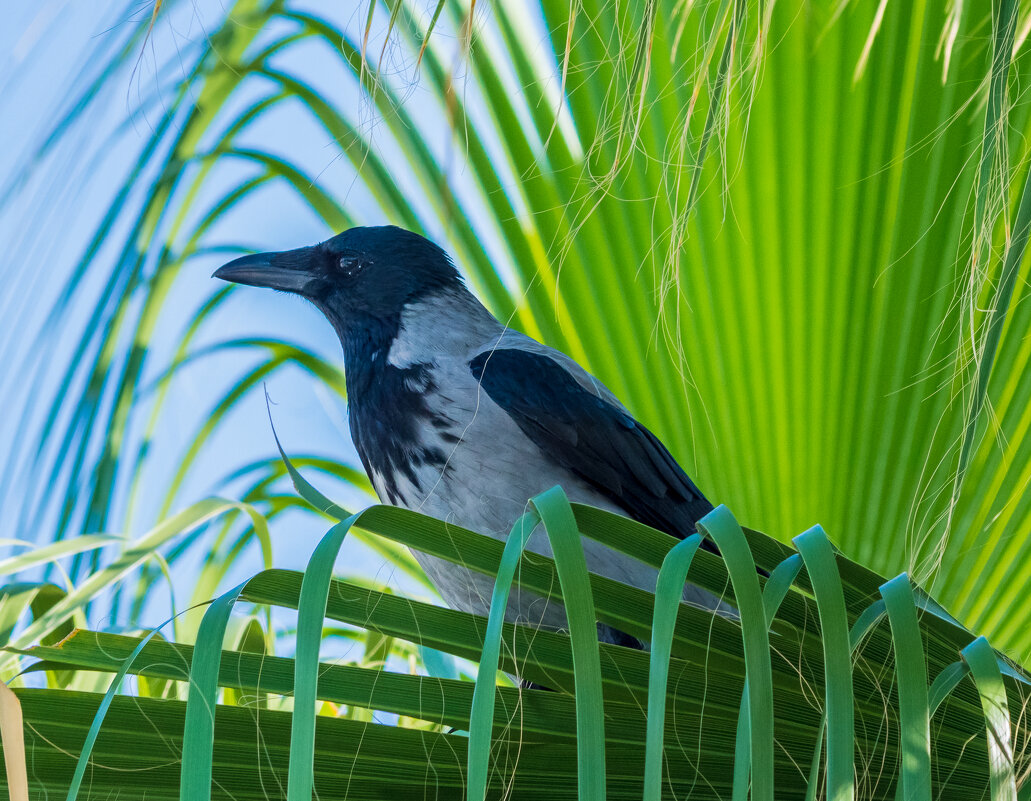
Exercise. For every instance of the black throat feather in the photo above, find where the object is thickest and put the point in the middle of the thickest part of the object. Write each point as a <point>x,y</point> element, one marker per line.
<point>388,409</point>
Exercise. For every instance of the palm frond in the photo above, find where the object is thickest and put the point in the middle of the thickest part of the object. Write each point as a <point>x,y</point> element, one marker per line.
<point>812,659</point>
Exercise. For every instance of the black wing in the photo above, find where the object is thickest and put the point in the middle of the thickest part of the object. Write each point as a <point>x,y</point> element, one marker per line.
<point>592,438</point>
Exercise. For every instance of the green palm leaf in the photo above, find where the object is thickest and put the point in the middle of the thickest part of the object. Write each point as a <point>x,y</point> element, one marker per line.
<point>792,239</point>
<point>537,736</point>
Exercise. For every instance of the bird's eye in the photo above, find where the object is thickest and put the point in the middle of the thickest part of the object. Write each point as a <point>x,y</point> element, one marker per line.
<point>351,265</point>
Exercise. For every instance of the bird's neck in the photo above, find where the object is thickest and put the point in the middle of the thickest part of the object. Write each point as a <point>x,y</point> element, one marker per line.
<point>366,343</point>
<point>448,324</point>
<point>451,324</point>
<point>390,366</point>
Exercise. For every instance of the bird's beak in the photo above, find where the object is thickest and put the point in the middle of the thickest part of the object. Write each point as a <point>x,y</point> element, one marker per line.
<point>289,270</point>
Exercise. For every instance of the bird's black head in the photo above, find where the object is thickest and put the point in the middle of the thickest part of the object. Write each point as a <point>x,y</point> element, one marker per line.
<point>360,277</point>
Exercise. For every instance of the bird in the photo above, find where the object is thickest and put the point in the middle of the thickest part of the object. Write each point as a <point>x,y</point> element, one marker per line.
<point>458,416</point>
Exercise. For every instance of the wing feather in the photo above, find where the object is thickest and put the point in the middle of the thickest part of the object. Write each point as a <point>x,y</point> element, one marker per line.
<point>592,436</point>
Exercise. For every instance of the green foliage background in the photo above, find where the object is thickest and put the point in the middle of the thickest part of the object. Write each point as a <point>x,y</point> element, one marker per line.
<point>787,236</point>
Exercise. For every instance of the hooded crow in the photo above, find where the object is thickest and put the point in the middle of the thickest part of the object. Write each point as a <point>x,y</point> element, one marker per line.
<point>457,416</point>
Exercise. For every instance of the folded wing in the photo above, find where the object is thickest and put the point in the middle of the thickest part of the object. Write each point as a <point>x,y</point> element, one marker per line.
<point>592,437</point>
